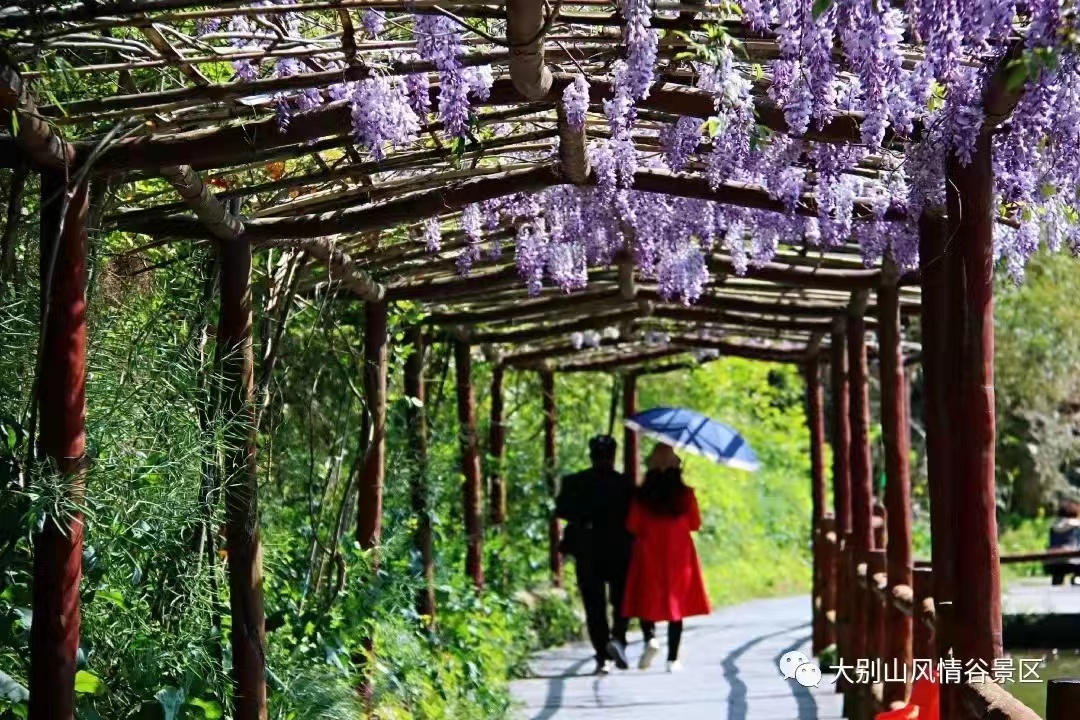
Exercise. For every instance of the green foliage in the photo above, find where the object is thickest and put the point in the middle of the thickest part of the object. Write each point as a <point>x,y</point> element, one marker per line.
<point>1034,329</point>
<point>156,625</point>
<point>755,536</point>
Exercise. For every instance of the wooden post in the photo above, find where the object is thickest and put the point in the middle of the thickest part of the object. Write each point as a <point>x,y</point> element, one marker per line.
<point>922,635</point>
<point>876,607</point>
<point>862,535</point>
<point>895,433</point>
<point>939,321</point>
<point>242,483</point>
<point>497,449</point>
<point>369,496</point>
<point>470,466</point>
<point>631,463</point>
<point>815,421</point>
<point>416,427</point>
<point>841,475</point>
<point>978,584</point>
<point>830,561</point>
<point>551,471</point>
<point>54,634</point>
<point>1062,699</point>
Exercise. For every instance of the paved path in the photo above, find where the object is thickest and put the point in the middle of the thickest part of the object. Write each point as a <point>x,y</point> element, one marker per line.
<point>1036,596</point>
<point>730,673</point>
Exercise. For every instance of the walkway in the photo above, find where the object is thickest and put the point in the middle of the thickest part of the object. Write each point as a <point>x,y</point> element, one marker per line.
<point>1035,596</point>
<point>730,673</point>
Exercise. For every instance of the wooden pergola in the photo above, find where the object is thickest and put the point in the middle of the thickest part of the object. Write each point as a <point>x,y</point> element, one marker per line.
<point>352,226</point>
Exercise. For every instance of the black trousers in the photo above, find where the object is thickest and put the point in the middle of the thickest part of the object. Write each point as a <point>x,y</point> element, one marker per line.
<point>674,636</point>
<point>602,584</point>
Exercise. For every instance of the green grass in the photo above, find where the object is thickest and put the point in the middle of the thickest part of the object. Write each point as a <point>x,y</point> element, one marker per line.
<point>1063,665</point>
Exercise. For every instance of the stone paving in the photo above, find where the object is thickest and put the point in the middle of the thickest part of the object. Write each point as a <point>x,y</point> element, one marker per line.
<point>729,673</point>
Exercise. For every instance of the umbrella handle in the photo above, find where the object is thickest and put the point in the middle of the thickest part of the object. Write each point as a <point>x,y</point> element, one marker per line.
<point>614,404</point>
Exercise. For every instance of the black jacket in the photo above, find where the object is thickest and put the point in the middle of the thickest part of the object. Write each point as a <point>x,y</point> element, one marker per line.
<point>595,505</point>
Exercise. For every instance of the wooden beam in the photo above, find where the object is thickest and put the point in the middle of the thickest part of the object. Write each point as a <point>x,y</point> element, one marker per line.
<point>551,473</point>
<point>58,546</point>
<point>749,352</point>
<point>705,315</point>
<point>551,330</point>
<point>896,438</point>
<point>622,362</point>
<point>745,195</point>
<point>518,309</point>
<point>248,637</point>
<point>525,30</point>
<point>197,195</point>
<point>470,467</point>
<point>419,485</point>
<point>339,264</point>
<point>36,138</point>
<point>374,216</point>
<point>373,473</point>
<point>234,145</point>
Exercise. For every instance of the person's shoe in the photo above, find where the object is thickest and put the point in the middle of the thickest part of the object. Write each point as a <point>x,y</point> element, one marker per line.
<point>603,667</point>
<point>674,666</point>
<point>648,654</point>
<point>617,652</point>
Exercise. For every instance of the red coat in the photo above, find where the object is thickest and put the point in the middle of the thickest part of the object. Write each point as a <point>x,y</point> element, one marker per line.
<point>664,582</point>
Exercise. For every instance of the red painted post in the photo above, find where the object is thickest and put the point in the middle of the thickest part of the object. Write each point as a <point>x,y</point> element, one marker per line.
<point>373,472</point>
<point>631,463</point>
<point>922,635</point>
<point>497,449</point>
<point>248,636</point>
<point>1062,699</point>
<point>971,210</point>
<point>876,608</point>
<point>470,466</point>
<point>54,634</point>
<point>862,536</point>
<point>815,421</point>
<point>939,322</point>
<point>830,556</point>
<point>841,474</point>
<point>895,434</point>
<point>876,565</point>
<point>551,468</point>
<point>416,427</point>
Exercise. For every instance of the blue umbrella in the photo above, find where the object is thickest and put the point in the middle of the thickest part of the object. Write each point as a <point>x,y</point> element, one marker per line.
<point>691,431</point>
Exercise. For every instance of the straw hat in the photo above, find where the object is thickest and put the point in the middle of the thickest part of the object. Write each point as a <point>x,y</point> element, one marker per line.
<point>662,457</point>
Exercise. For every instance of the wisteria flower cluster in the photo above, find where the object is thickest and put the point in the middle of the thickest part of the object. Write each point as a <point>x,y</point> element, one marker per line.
<point>918,109</point>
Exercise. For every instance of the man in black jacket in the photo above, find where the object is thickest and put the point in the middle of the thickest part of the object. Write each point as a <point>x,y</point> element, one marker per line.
<point>595,503</point>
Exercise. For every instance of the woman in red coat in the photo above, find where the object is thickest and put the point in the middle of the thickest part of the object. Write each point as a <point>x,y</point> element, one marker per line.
<point>664,582</point>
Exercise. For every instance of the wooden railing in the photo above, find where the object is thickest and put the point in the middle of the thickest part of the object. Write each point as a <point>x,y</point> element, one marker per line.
<point>984,700</point>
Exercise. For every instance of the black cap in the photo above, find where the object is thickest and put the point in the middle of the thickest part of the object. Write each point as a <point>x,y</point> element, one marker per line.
<point>600,444</point>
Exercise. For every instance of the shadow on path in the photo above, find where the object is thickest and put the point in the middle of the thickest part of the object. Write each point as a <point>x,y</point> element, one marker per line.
<point>553,701</point>
<point>804,699</point>
<point>737,705</point>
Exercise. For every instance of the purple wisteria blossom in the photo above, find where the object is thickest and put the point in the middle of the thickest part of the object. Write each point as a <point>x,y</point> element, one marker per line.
<point>679,141</point>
